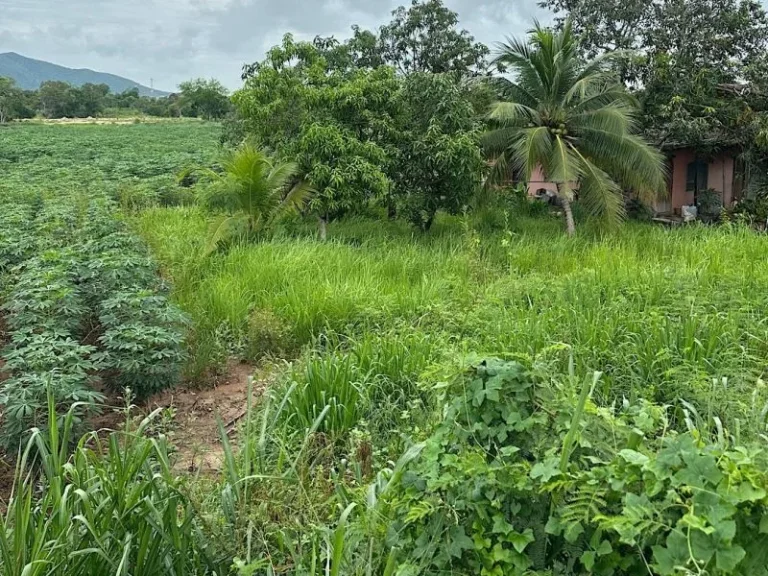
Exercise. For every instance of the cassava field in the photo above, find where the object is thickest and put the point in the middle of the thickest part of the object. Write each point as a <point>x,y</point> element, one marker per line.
<point>489,397</point>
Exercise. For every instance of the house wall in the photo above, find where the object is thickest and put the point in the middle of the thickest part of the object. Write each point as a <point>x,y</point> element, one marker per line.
<point>719,177</point>
<point>539,182</point>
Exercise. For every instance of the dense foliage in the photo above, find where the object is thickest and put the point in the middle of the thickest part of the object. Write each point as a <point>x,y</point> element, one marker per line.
<point>525,477</point>
<point>82,302</point>
<point>197,98</point>
<point>365,135</point>
<point>698,67</point>
<point>112,505</point>
<point>614,424</point>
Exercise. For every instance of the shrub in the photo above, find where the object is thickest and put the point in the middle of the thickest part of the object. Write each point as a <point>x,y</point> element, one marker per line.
<point>142,340</point>
<point>522,477</point>
<point>113,506</point>
<point>267,335</point>
<point>24,400</point>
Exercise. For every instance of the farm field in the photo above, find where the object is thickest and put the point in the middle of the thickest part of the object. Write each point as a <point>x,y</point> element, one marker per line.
<point>405,382</point>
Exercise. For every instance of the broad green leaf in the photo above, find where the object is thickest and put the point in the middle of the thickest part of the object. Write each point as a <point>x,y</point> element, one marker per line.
<point>546,470</point>
<point>634,457</point>
<point>727,559</point>
<point>520,541</point>
<point>588,559</point>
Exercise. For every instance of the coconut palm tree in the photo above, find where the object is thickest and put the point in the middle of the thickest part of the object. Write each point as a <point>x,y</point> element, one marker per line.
<point>256,191</point>
<point>573,120</point>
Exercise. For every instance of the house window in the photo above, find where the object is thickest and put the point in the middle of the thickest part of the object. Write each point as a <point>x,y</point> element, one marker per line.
<point>698,173</point>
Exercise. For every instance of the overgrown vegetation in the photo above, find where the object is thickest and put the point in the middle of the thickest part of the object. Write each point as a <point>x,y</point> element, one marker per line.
<point>455,386</point>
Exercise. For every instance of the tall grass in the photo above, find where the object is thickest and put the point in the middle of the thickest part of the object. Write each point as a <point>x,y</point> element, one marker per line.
<point>110,506</point>
<point>661,312</point>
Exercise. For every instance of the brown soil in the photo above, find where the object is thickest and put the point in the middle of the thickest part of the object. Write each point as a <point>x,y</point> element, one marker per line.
<point>187,417</point>
<point>191,416</point>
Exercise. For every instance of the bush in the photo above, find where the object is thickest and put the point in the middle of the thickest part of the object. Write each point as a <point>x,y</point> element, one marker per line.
<point>522,477</point>
<point>143,341</point>
<point>267,335</point>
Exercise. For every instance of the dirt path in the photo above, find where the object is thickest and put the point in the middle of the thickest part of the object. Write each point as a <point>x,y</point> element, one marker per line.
<point>187,417</point>
<point>191,417</point>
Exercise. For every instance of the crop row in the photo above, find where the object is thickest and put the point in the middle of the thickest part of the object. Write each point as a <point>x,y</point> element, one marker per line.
<point>84,308</point>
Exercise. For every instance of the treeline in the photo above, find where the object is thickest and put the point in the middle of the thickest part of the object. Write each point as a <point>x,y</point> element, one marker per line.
<point>415,114</point>
<point>54,99</point>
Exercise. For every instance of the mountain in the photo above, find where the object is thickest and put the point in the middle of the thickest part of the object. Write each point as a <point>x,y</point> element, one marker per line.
<point>30,73</point>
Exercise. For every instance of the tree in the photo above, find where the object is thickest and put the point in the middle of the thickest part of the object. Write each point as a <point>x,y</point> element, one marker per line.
<point>90,99</point>
<point>426,38</point>
<point>693,49</point>
<point>334,122</point>
<point>604,25</point>
<point>422,38</point>
<point>258,190</point>
<point>682,54</point>
<point>203,98</point>
<point>439,164</point>
<point>13,101</point>
<point>56,99</point>
<point>572,119</point>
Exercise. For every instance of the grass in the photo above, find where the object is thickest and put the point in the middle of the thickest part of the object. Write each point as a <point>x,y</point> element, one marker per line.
<point>375,325</point>
<point>663,313</point>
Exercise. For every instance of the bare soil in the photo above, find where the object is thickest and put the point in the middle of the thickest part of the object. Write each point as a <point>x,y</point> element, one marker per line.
<point>193,427</point>
<point>187,417</point>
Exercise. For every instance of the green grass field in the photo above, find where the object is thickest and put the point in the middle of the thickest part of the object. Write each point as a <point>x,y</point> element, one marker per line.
<point>664,314</point>
<point>370,337</point>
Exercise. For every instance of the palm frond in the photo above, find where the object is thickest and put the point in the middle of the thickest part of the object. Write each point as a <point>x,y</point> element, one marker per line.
<point>562,165</point>
<point>599,194</point>
<point>635,164</point>
<point>281,175</point>
<point>293,201</point>
<point>616,118</point>
<point>221,229</point>
<point>512,113</point>
<point>532,149</point>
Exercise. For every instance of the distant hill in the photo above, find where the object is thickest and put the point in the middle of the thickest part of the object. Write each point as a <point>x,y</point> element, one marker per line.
<point>30,73</point>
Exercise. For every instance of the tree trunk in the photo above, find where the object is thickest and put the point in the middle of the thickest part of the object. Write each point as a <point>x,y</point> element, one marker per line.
<point>391,209</point>
<point>323,228</point>
<point>566,201</point>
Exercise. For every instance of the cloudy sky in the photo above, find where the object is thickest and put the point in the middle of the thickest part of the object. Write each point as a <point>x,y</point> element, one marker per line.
<point>173,40</point>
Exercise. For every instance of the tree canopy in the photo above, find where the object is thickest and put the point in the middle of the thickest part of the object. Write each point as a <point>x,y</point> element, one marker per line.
<point>203,98</point>
<point>685,57</point>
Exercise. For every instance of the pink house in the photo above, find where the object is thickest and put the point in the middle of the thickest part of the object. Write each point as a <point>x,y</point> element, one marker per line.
<point>689,174</point>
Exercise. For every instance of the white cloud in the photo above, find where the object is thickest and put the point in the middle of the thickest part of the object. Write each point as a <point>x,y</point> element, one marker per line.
<point>173,40</point>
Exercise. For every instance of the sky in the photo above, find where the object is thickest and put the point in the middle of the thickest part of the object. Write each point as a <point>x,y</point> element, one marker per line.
<point>165,42</point>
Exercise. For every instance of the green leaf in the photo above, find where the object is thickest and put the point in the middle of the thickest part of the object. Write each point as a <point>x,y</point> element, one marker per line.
<point>546,470</point>
<point>675,554</point>
<point>604,549</point>
<point>700,471</point>
<point>588,559</point>
<point>746,492</point>
<point>573,531</point>
<point>520,541</point>
<point>727,559</point>
<point>764,524</point>
<point>458,542</point>
<point>634,457</point>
